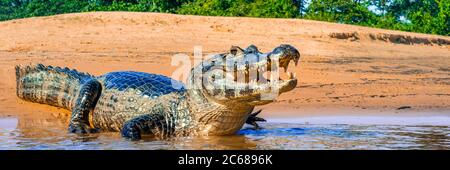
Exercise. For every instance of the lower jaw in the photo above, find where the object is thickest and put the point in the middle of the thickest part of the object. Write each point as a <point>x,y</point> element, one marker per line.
<point>229,121</point>
<point>220,129</point>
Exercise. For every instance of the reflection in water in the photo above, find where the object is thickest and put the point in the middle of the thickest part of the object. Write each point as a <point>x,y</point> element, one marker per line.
<point>50,133</point>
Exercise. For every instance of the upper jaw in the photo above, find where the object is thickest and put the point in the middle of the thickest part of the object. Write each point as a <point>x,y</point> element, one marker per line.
<point>260,63</point>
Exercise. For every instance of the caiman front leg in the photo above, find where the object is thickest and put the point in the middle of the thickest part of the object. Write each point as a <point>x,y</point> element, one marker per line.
<point>157,123</point>
<point>86,101</point>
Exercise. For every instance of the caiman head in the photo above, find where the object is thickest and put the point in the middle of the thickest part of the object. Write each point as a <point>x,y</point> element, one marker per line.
<point>224,89</point>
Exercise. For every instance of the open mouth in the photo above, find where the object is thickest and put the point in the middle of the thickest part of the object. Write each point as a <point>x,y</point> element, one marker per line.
<point>255,72</point>
<point>266,69</point>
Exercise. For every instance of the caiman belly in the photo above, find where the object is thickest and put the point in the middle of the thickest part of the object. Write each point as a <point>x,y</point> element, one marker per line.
<point>115,107</point>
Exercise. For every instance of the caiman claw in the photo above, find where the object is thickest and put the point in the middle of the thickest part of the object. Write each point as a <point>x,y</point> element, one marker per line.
<point>252,119</point>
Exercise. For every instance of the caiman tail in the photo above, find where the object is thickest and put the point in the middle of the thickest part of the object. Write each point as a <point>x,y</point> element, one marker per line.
<point>49,85</point>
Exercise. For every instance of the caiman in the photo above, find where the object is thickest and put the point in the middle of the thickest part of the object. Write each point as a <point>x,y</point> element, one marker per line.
<point>218,98</point>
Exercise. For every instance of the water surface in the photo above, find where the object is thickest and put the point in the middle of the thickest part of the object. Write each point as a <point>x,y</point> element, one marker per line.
<point>276,134</point>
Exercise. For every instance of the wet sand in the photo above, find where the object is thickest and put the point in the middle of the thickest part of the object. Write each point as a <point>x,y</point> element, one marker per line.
<point>344,70</point>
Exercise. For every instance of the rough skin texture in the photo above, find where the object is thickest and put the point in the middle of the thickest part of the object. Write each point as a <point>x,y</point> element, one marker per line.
<point>136,103</point>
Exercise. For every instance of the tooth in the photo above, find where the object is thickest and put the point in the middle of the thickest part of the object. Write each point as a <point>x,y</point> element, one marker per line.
<point>253,83</point>
<point>295,75</point>
<point>287,65</point>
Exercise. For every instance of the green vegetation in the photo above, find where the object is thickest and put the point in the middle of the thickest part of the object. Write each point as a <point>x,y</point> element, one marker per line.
<point>255,8</point>
<point>425,16</point>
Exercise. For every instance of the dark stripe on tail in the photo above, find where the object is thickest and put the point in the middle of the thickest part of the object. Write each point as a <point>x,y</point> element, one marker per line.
<point>49,85</point>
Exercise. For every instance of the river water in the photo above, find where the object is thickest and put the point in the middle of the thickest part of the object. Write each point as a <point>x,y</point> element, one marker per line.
<point>317,133</point>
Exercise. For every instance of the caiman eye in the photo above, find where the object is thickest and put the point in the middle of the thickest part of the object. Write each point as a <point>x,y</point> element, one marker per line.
<point>233,51</point>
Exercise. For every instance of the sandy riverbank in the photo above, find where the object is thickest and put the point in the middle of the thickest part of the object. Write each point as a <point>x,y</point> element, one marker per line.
<point>344,69</point>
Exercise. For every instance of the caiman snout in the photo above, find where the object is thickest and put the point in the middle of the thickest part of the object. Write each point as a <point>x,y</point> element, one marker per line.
<point>287,53</point>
